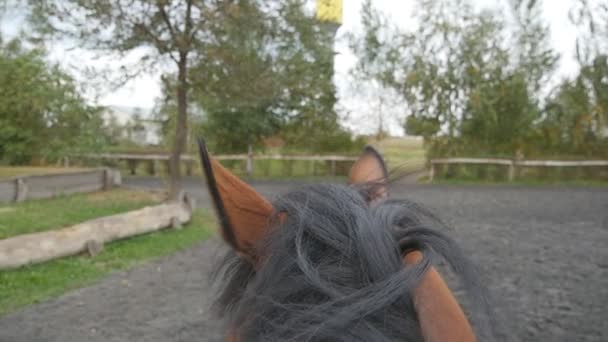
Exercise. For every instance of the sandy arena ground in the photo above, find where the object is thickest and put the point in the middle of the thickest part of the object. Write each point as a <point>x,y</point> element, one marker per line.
<point>543,253</point>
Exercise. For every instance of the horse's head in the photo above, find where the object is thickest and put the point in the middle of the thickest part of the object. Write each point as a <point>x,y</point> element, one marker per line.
<point>335,262</point>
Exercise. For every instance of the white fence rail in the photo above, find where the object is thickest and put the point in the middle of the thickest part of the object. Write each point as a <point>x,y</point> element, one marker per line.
<point>513,164</point>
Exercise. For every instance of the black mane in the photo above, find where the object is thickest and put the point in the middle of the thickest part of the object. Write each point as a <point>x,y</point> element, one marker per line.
<point>332,271</point>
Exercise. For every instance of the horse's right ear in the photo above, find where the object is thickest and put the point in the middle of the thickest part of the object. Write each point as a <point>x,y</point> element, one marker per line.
<point>243,213</point>
<point>370,172</point>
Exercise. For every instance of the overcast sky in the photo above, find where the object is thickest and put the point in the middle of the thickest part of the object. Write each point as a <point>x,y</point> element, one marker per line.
<point>356,106</point>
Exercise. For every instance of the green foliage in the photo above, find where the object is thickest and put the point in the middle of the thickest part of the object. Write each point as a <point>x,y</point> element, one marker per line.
<point>576,116</point>
<point>174,32</point>
<point>271,74</point>
<point>232,132</point>
<point>422,126</point>
<point>438,66</point>
<point>500,115</point>
<point>42,114</point>
<point>475,86</point>
<point>591,17</point>
<point>320,134</point>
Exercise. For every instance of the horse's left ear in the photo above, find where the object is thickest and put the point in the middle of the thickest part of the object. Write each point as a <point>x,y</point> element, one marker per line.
<point>243,213</point>
<point>370,172</point>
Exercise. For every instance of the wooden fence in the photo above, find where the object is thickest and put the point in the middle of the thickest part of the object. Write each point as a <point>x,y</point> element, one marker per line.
<point>25,187</point>
<point>514,164</point>
<point>153,160</point>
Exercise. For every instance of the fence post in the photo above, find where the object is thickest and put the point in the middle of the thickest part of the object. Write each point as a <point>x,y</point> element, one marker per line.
<point>189,165</point>
<point>108,179</point>
<point>432,172</point>
<point>152,167</point>
<point>249,165</point>
<point>21,190</point>
<point>511,171</point>
<point>132,165</point>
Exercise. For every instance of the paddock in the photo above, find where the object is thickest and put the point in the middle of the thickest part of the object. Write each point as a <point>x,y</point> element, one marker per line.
<point>541,250</point>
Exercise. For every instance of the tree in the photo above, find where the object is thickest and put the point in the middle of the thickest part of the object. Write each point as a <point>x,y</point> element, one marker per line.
<point>533,53</point>
<point>575,116</point>
<point>592,19</point>
<point>271,71</point>
<point>592,49</point>
<point>305,60</point>
<point>460,74</point>
<point>42,114</point>
<point>173,31</point>
<point>237,84</point>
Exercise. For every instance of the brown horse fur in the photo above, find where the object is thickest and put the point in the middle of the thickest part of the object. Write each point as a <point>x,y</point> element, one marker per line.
<point>242,212</point>
<point>246,219</point>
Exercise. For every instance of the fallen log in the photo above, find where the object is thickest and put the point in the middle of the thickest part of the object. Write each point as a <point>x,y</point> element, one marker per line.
<point>91,235</point>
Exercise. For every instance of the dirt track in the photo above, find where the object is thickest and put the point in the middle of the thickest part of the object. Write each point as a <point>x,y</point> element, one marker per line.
<point>543,252</point>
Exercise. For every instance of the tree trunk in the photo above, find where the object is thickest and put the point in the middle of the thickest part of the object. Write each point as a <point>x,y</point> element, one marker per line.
<point>181,128</point>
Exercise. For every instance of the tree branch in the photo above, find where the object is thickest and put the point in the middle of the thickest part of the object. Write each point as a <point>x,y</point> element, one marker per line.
<point>165,17</point>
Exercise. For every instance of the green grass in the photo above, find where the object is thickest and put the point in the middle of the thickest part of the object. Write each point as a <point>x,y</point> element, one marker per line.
<point>13,171</point>
<point>35,283</point>
<point>40,215</point>
<point>405,153</point>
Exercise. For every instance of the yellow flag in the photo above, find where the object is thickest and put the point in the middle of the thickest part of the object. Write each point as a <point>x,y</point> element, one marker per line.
<point>329,10</point>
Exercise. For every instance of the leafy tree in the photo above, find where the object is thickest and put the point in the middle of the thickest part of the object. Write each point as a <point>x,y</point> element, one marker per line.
<point>500,116</point>
<point>42,114</point>
<point>592,49</point>
<point>237,83</point>
<point>534,56</point>
<point>435,66</point>
<point>305,63</point>
<point>592,19</point>
<point>575,117</point>
<point>165,31</point>
<point>459,72</point>
<point>271,72</point>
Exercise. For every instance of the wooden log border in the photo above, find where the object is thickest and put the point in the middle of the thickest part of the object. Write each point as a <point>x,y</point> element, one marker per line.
<point>90,236</point>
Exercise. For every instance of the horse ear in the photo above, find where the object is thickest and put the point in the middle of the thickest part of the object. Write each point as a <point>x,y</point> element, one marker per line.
<point>243,213</point>
<point>370,171</point>
<point>441,317</point>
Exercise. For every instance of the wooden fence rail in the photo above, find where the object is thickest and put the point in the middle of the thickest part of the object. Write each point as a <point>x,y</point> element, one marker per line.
<point>133,158</point>
<point>25,187</point>
<point>513,164</point>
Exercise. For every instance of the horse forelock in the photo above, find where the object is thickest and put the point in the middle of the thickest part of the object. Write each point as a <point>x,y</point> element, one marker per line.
<point>332,271</point>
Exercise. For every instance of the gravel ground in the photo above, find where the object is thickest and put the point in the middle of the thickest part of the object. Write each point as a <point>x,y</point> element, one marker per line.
<point>543,253</point>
